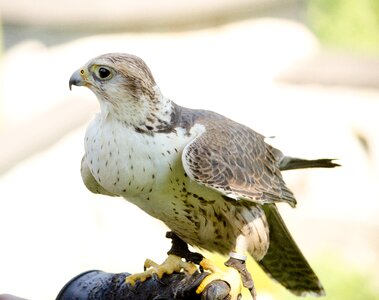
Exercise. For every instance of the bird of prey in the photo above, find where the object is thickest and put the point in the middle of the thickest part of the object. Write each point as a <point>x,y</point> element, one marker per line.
<point>214,182</point>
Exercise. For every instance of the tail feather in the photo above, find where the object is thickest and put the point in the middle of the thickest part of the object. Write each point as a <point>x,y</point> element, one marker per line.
<point>290,163</point>
<point>284,261</point>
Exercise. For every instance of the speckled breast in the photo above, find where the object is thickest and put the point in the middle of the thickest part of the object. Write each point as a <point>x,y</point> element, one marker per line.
<point>130,163</point>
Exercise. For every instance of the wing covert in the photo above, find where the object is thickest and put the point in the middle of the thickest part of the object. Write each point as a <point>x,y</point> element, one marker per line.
<point>236,161</point>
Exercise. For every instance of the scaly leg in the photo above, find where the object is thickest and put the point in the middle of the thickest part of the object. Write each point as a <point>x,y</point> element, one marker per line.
<point>173,263</point>
<point>246,278</point>
<point>180,248</point>
<point>236,274</point>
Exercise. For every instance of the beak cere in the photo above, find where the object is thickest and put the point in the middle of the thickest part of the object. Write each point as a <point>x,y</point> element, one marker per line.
<point>76,79</point>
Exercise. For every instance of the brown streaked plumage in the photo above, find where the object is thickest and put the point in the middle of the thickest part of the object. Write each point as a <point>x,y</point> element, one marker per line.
<point>212,181</point>
<point>235,160</point>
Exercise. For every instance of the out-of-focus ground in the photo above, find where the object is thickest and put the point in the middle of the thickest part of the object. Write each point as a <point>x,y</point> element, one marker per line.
<point>269,73</point>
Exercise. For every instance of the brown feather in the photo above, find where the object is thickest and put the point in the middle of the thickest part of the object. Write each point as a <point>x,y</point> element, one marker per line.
<point>235,160</point>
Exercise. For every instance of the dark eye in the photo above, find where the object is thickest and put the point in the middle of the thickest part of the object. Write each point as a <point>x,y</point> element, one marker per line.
<point>104,72</point>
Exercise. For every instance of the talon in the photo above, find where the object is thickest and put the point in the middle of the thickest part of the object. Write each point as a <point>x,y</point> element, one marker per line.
<point>230,276</point>
<point>132,279</point>
<point>155,276</point>
<point>172,264</point>
<point>208,265</point>
<point>149,264</point>
<point>129,280</point>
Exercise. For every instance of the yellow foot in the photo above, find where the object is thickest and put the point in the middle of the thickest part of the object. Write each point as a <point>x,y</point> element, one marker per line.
<point>172,264</point>
<point>231,276</point>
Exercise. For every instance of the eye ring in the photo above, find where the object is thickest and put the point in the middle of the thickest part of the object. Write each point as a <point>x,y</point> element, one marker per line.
<point>104,73</point>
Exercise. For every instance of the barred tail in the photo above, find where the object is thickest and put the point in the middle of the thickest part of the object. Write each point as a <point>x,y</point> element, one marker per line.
<point>290,163</point>
<point>284,261</point>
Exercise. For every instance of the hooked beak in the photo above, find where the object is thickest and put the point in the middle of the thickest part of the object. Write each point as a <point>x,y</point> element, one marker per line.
<point>76,79</point>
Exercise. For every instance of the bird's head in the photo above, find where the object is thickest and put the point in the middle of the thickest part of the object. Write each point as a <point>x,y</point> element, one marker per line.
<point>126,90</point>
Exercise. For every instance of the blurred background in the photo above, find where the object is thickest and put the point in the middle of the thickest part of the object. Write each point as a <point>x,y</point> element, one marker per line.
<point>306,72</point>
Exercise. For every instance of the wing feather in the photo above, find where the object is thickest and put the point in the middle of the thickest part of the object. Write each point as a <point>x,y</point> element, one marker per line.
<point>236,161</point>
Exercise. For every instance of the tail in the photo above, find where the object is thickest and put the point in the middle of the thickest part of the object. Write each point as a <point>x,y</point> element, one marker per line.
<point>290,163</point>
<point>284,261</point>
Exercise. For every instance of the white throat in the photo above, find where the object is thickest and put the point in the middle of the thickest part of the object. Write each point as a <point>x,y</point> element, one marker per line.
<point>143,113</point>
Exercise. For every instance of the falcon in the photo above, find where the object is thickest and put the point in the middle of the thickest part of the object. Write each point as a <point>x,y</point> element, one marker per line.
<point>214,182</point>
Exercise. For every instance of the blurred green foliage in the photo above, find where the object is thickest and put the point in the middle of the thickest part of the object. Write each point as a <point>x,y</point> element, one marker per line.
<point>348,24</point>
<point>340,279</point>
